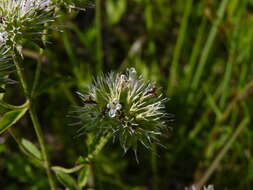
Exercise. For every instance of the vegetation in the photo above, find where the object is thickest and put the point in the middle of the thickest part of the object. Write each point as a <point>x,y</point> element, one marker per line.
<point>199,52</point>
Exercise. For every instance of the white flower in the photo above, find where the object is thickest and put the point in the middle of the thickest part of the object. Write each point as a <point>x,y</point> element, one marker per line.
<point>113,107</point>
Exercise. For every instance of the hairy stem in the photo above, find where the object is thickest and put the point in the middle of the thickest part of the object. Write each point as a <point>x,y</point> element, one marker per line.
<point>35,121</point>
<point>38,71</point>
<point>97,146</point>
<point>20,75</point>
<point>41,140</point>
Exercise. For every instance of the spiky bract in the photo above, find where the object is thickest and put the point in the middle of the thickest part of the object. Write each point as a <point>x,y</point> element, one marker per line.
<point>5,67</point>
<point>125,105</point>
<point>22,20</point>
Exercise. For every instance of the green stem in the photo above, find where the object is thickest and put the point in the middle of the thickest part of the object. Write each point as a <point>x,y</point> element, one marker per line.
<point>41,140</point>
<point>98,36</point>
<point>20,74</point>
<point>154,168</point>
<point>222,153</point>
<point>231,60</point>
<point>38,71</point>
<point>209,43</point>
<point>97,146</point>
<point>35,121</point>
<point>179,45</point>
<point>195,52</point>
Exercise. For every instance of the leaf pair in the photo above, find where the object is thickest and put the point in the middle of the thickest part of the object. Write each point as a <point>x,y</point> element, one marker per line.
<point>64,177</point>
<point>11,117</point>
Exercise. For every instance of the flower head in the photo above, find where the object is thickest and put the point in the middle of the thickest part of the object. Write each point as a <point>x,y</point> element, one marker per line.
<point>209,187</point>
<point>23,20</point>
<point>125,105</point>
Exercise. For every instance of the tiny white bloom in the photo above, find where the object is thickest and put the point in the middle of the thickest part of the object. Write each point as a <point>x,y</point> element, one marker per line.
<point>113,107</point>
<point>3,37</point>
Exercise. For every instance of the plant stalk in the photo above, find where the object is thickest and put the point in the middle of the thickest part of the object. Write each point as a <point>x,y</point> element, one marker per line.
<point>41,140</point>
<point>222,153</point>
<point>38,71</point>
<point>20,75</point>
<point>35,121</point>
<point>99,45</point>
<point>179,44</point>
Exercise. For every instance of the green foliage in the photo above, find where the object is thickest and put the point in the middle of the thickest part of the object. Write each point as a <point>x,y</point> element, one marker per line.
<point>67,181</point>
<point>200,52</point>
<point>10,118</point>
<point>30,147</point>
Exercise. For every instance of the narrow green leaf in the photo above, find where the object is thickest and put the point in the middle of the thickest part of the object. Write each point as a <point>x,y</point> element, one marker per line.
<point>83,177</point>
<point>10,118</point>
<point>30,147</point>
<point>66,180</point>
<point>67,170</point>
<point>210,41</point>
<point>12,107</point>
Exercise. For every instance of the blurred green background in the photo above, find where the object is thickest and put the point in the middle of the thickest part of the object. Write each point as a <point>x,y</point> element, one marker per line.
<point>199,51</point>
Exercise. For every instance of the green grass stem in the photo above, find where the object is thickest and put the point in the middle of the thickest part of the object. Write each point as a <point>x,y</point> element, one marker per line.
<point>207,48</point>
<point>99,49</point>
<point>179,44</point>
<point>222,153</point>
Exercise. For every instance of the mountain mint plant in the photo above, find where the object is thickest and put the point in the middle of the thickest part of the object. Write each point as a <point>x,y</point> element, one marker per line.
<point>125,105</point>
<point>22,20</point>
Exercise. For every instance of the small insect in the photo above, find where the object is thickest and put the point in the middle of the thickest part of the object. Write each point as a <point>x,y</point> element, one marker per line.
<point>121,116</point>
<point>104,111</point>
<point>1,19</point>
<point>90,101</point>
<point>87,6</point>
<point>153,91</point>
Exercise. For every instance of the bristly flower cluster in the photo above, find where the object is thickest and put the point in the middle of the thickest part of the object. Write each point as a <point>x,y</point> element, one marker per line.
<point>125,105</point>
<point>75,4</point>
<point>22,20</point>
<point>209,187</point>
<point>5,67</point>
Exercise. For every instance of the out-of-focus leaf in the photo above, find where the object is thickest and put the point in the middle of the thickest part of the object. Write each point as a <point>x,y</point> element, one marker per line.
<point>66,180</point>
<point>83,177</point>
<point>2,90</point>
<point>10,118</point>
<point>31,148</point>
<point>12,107</point>
<point>51,83</point>
<point>67,170</point>
<point>115,10</point>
